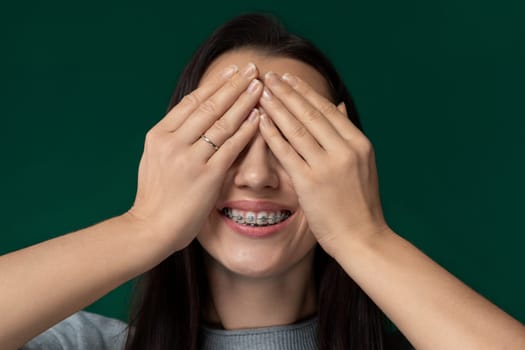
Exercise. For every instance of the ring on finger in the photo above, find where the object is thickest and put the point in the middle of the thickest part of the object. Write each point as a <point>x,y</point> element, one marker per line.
<point>205,138</point>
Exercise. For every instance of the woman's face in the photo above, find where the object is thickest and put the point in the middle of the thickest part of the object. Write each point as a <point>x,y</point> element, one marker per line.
<point>257,175</point>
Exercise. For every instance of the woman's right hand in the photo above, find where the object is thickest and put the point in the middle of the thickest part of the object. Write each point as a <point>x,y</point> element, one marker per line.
<point>180,175</point>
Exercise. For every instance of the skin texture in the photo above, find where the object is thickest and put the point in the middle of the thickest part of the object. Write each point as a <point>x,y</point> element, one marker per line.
<point>270,280</point>
<point>178,173</point>
<point>330,172</point>
<point>260,282</point>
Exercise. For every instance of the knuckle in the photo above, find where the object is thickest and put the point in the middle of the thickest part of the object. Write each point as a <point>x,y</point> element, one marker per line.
<point>363,145</point>
<point>288,92</point>
<point>234,84</point>
<point>327,108</point>
<point>299,131</point>
<point>191,100</point>
<point>274,135</point>
<point>151,135</point>
<point>312,114</point>
<point>152,139</point>
<point>221,125</point>
<point>208,107</point>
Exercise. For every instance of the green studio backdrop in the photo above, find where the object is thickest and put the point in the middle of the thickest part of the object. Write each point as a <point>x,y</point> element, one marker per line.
<point>439,86</point>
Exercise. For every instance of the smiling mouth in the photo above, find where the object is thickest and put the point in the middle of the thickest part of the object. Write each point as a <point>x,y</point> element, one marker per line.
<point>256,219</point>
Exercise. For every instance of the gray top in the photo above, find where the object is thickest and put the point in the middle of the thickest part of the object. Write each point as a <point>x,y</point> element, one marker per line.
<point>302,335</point>
<point>87,331</point>
<point>82,331</point>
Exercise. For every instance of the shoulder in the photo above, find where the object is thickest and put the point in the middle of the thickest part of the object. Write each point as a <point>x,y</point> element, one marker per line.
<point>82,331</point>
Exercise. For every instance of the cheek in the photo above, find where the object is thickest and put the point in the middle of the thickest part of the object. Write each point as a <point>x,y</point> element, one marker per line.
<point>209,230</point>
<point>247,256</point>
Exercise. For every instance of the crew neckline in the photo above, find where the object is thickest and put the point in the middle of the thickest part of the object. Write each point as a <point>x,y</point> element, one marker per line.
<point>297,336</point>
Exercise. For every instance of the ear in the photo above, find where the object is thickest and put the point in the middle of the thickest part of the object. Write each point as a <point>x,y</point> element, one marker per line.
<point>342,107</point>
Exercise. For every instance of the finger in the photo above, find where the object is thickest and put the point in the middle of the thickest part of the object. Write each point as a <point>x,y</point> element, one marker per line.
<point>292,129</point>
<point>342,108</point>
<point>176,116</point>
<point>337,117</point>
<point>224,157</point>
<point>216,105</point>
<point>227,125</point>
<point>283,151</point>
<point>313,119</point>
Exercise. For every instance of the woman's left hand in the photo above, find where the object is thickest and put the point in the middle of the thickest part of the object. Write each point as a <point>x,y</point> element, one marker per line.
<point>330,161</point>
<point>332,166</point>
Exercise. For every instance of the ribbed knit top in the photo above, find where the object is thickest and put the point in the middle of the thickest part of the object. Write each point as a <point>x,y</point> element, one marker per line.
<point>298,336</point>
<point>88,331</point>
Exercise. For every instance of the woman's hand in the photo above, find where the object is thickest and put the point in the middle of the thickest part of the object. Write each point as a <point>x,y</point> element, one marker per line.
<point>333,170</point>
<point>180,174</point>
<point>330,162</point>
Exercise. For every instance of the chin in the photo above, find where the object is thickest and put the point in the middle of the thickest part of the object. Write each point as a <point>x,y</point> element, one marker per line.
<point>256,257</point>
<point>252,263</point>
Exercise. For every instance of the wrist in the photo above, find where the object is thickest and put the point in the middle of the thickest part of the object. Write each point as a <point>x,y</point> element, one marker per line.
<point>147,237</point>
<point>350,242</point>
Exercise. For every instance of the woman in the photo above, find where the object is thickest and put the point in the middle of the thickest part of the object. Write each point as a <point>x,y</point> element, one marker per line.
<point>257,224</point>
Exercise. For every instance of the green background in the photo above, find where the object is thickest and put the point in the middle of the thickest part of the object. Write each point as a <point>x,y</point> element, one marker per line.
<point>439,86</point>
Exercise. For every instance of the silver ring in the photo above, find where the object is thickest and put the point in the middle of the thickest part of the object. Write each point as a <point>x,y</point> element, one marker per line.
<point>209,141</point>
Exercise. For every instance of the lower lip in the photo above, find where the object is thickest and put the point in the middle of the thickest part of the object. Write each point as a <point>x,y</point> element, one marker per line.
<point>252,231</point>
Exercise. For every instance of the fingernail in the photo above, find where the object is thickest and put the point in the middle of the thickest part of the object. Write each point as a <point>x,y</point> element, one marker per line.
<point>266,121</point>
<point>290,79</point>
<point>254,86</point>
<point>271,78</point>
<point>230,71</point>
<point>267,94</point>
<point>253,115</point>
<point>249,70</point>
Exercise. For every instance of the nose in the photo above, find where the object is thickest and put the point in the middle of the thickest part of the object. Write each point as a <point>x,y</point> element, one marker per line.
<point>256,167</point>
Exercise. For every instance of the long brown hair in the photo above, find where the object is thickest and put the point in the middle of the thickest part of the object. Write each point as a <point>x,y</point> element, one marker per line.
<point>169,299</point>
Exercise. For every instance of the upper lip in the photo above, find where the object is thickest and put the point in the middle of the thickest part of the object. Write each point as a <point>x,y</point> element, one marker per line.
<point>250,205</point>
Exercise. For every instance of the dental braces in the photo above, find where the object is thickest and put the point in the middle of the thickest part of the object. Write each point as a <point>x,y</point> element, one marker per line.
<point>252,220</point>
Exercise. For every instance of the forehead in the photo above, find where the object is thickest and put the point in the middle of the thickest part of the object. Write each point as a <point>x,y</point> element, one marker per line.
<point>265,63</point>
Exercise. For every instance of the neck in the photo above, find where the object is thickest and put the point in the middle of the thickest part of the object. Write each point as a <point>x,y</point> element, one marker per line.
<point>239,302</point>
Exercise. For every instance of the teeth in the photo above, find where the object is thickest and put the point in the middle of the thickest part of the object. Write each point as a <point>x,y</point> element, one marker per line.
<point>237,216</point>
<point>251,218</point>
<point>262,218</point>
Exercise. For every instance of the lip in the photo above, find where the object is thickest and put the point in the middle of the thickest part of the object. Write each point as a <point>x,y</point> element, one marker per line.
<point>256,232</point>
<point>255,206</point>
<point>248,205</point>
